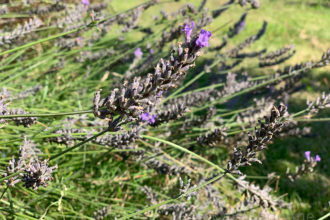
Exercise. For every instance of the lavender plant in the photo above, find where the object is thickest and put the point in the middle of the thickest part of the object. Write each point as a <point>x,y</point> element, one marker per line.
<point>184,103</point>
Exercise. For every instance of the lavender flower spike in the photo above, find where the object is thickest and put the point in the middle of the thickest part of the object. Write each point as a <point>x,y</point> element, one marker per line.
<point>203,39</point>
<point>138,53</point>
<point>188,30</point>
<point>317,158</point>
<point>308,155</point>
<point>85,2</point>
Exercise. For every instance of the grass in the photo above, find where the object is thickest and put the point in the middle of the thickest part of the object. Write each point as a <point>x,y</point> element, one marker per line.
<point>95,176</point>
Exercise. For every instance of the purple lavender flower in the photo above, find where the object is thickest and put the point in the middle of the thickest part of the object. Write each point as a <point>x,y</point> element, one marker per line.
<point>145,116</point>
<point>203,39</point>
<point>152,119</point>
<point>308,155</point>
<point>317,158</point>
<point>188,30</point>
<point>85,2</point>
<point>151,51</point>
<point>138,53</point>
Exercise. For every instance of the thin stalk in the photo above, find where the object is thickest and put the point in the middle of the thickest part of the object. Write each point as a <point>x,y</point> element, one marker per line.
<point>313,119</point>
<point>78,145</point>
<point>47,115</point>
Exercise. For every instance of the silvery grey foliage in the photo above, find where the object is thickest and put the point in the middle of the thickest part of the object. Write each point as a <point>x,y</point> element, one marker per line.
<point>33,172</point>
<point>132,99</point>
<point>258,141</point>
<point>321,102</point>
<point>102,213</point>
<point>212,138</point>
<point>7,38</point>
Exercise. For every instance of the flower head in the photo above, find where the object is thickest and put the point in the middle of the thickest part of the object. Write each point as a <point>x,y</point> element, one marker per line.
<point>85,2</point>
<point>145,116</point>
<point>138,53</point>
<point>152,119</point>
<point>188,30</point>
<point>151,51</point>
<point>203,39</point>
<point>308,155</point>
<point>317,158</point>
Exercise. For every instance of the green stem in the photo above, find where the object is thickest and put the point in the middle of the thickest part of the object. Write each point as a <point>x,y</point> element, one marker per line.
<point>313,119</point>
<point>184,150</point>
<point>47,115</point>
<point>78,145</point>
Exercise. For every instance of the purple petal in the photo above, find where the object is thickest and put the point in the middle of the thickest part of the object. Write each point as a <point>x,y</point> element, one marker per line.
<point>145,116</point>
<point>85,2</point>
<point>203,38</point>
<point>317,158</point>
<point>138,53</point>
<point>152,120</point>
<point>308,155</point>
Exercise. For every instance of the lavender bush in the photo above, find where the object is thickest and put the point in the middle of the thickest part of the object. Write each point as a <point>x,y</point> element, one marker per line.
<point>158,110</point>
